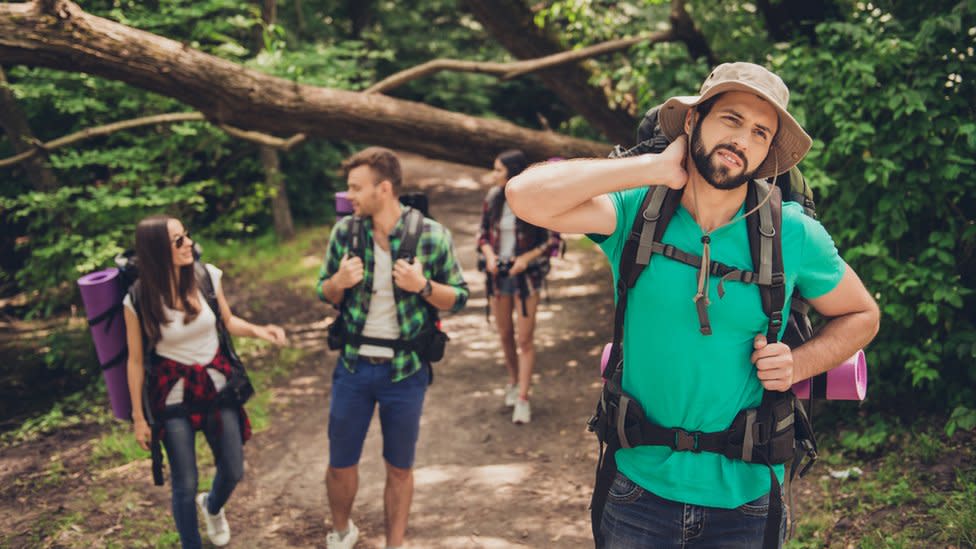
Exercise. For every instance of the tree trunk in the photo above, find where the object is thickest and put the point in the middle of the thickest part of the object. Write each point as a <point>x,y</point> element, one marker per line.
<point>280,208</point>
<point>511,23</point>
<point>69,39</point>
<point>283,225</point>
<point>14,123</point>
<point>785,19</point>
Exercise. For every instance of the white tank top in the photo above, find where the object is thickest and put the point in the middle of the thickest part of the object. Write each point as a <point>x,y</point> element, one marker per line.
<point>193,343</point>
<point>506,237</point>
<point>381,320</point>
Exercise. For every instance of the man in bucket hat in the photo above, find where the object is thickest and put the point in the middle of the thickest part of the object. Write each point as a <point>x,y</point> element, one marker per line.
<point>684,377</point>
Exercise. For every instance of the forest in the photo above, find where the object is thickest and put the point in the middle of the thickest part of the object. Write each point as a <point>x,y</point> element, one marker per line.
<point>234,117</point>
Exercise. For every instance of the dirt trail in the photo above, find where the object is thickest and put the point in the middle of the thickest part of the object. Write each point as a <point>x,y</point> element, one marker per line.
<point>480,480</point>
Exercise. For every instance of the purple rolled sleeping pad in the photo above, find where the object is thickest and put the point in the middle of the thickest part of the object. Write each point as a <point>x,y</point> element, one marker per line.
<point>102,295</point>
<point>849,381</point>
<point>343,206</point>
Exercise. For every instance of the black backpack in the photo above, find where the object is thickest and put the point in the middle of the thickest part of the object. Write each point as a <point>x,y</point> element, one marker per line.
<point>431,342</point>
<point>778,430</point>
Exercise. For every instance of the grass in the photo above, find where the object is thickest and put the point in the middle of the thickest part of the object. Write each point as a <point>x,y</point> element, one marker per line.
<point>904,498</point>
<point>266,260</point>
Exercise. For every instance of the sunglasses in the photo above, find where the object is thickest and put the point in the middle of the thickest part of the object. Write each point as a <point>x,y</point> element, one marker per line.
<point>180,240</point>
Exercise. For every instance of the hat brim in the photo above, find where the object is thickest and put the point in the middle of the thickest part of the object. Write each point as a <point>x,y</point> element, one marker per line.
<point>789,146</point>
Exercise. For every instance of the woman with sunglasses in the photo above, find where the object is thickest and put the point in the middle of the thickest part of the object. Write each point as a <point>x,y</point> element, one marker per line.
<point>511,248</point>
<point>171,320</point>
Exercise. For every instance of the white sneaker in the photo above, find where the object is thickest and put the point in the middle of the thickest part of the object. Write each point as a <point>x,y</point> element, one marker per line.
<point>522,412</point>
<point>511,394</point>
<point>334,541</point>
<point>217,528</point>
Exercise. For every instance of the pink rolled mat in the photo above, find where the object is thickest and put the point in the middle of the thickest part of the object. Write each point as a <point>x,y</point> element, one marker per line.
<point>604,359</point>
<point>849,381</point>
<point>102,295</point>
<point>343,206</point>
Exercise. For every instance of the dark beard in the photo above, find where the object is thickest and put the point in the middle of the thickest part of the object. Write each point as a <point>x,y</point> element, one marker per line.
<point>718,177</point>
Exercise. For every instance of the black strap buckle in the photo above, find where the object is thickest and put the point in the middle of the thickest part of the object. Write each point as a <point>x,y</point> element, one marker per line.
<point>685,441</point>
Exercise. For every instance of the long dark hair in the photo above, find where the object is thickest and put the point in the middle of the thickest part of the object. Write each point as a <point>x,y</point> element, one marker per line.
<point>515,163</point>
<point>155,288</point>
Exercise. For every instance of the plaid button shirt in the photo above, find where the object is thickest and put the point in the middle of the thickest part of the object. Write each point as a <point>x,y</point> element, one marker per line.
<point>435,252</point>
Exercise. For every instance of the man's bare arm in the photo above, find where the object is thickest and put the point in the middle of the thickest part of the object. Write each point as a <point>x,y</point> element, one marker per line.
<point>570,196</point>
<point>854,321</point>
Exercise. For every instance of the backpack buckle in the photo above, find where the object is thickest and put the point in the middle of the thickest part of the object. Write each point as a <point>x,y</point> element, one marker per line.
<point>685,441</point>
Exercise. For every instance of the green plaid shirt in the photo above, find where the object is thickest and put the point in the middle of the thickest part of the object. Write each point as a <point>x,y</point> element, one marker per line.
<point>435,252</point>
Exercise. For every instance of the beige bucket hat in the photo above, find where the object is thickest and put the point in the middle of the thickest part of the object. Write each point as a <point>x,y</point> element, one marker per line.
<point>790,144</point>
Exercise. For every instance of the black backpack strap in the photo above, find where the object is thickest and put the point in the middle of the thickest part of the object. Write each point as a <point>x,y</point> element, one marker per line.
<point>657,209</point>
<point>357,236</point>
<point>766,249</point>
<point>207,288</point>
<point>411,238</point>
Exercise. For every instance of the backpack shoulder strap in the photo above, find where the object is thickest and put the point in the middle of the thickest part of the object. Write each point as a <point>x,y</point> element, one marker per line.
<point>357,236</point>
<point>207,288</point>
<point>414,227</point>
<point>766,248</point>
<point>658,207</point>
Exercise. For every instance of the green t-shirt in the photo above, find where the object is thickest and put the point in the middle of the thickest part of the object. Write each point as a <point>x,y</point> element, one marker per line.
<point>699,383</point>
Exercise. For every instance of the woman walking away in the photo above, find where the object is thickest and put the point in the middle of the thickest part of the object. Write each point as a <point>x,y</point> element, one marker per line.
<point>516,260</point>
<point>170,321</point>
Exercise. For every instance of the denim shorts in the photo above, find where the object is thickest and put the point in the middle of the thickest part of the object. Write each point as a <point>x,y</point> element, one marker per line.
<point>354,397</point>
<point>508,285</point>
<point>635,518</point>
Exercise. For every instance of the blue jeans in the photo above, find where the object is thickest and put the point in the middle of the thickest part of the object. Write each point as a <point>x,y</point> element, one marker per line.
<point>637,519</point>
<point>228,452</point>
<point>355,396</point>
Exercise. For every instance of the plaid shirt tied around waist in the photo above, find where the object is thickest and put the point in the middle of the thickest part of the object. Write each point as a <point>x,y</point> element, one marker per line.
<point>435,252</point>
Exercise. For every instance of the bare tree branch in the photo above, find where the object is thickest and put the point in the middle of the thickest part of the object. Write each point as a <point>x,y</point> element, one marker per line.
<point>506,71</point>
<point>170,118</point>
<point>230,94</point>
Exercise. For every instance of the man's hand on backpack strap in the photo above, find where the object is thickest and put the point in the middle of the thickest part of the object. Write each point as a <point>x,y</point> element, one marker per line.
<point>350,272</point>
<point>409,277</point>
<point>774,364</point>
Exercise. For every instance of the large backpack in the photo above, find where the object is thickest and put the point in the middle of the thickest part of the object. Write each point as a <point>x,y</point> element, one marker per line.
<point>779,429</point>
<point>430,343</point>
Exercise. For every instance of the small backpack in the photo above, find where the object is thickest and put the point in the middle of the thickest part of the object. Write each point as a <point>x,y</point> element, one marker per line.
<point>779,430</point>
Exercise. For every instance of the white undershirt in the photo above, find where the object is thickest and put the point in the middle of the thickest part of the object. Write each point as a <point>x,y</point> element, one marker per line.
<point>506,226</point>
<point>381,320</point>
<point>193,343</point>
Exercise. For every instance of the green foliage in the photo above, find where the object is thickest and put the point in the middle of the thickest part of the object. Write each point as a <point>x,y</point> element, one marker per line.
<point>894,121</point>
<point>869,439</point>
<point>962,418</point>
<point>76,230</point>
<point>956,515</point>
